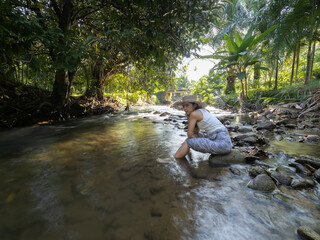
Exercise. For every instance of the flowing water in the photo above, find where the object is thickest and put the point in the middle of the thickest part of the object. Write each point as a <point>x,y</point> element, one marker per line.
<point>98,178</point>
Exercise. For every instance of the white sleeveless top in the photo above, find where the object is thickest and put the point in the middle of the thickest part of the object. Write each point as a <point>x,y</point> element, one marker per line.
<point>209,122</point>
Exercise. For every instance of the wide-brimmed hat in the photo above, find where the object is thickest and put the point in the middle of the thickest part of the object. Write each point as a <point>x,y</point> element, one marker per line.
<point>188,99</point>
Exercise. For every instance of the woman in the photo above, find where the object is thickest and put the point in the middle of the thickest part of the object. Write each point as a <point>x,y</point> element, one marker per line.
<point>214,137</point>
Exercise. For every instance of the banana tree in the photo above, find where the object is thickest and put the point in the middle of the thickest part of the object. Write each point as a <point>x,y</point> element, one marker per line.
<point>241,53</point>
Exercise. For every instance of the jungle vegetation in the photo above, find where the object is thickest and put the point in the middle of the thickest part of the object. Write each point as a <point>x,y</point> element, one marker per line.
<point>132,48</point>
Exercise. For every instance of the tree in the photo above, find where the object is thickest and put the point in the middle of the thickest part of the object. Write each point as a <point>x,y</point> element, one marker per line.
<point>242,52</point>
<point>148,31</point>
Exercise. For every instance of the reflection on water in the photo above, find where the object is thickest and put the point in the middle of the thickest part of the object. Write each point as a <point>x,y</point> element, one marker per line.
<point>98,178</point>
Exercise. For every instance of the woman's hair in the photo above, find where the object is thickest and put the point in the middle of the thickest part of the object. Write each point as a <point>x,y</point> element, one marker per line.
<point>197,107</point>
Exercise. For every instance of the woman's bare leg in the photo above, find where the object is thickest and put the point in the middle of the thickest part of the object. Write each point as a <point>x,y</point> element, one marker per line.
<point>182,151</point>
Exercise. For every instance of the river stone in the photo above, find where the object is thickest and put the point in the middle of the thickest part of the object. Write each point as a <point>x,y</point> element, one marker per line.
<point>282,177</point>
<point>234,157</point>
<point>300,168</point>
<point>266,125</point>
<point>262,182</point>
<point>312,138</point>
<point>245,129</point>
<point>235,171</point>
<point>302,183</point>
<point>289,139</point>
<point>291,126</point>
<point>243,136</point>
<point>250,140</point>
<point>308,233</point>
<point>283,121</point>
<point>164,114</point>
<point>314,162</point>
<point>199,172</point>
<point>255,171</point>
<point>278,137</point>
<point>317,175</point>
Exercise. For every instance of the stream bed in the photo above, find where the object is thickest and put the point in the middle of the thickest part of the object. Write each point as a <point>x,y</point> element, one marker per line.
<point>98,178</point>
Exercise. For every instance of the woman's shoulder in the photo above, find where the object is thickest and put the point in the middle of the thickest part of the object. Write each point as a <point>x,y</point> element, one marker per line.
<point>197,114</point>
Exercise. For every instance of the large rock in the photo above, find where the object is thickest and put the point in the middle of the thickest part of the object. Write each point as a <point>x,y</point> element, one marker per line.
<point>262,182</point>
<point>312,161</point>
<point>266,125</point>
<point>245,129</point>
<point>255,171</point>
<point>250,140</point>
<point>234,157</point>
<point>317,175</point>
<point>308,233</point>
<point>302,184</point>
<point>281,177</point>
<point>312,138</point>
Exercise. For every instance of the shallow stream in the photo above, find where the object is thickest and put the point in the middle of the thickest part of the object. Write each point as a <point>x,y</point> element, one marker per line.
<point>98,178</point>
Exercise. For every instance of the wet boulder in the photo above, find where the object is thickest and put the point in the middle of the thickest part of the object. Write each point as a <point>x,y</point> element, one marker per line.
<point>250,140</point>
<point>266,125</point>
<point>235,171</point>
<point>289,139</point>
<point>234,157</point>
<point>199,172</point>
<point>232,127</point>
<point>262,182</point>
<point>278,137</point>
<point>302,183</point>
<point>245,129</point>
<point>312,138</point>
<point>255,171</point>
<point>308,233</point>
<point>164,114</point>
<point>317,175</point>
<point>281,177</point>
<point>282,122</point>
<point>314,162</point>
<point>291,126</point>
<point>300,168</point>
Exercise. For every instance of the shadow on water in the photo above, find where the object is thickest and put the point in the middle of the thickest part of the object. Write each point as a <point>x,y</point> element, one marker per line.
<point>98,178</point>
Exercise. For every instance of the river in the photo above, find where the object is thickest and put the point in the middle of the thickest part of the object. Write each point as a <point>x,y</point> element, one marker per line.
<point>98,178</point>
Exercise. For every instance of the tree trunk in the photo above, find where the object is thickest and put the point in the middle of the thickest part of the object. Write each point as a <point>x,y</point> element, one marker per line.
<point>292,68</point>
<point>95,88</point>
<point>309,56</point>
<point>276,78</point>
<point>270,77</point>
<point>230,84</point>
<point>245,86</point>
<point>256,75</point>
<point>313,52</point>
<point>61,85</point>
<point>297,64</point>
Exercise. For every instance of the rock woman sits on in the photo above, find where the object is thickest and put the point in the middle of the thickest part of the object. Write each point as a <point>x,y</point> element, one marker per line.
<point>206,133</point>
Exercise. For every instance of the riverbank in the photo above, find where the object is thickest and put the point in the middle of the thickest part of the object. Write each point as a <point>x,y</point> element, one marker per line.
<point>23,105</point>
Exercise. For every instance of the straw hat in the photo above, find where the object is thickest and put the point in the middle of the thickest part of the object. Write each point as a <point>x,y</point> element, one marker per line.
<point>188,99</point>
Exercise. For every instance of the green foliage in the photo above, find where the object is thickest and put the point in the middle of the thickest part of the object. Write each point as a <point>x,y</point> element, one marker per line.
<point>296,93</point>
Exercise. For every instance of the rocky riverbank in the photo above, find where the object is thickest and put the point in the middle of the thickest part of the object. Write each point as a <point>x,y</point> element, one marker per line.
<point>252,139</point>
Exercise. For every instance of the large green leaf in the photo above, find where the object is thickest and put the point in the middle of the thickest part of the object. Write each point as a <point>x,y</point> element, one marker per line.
<point>262,36</point>
<point>249,34</point>
<point>238,39</point>
<point>241,75</point>
<point>231,45</point>
<point>246,43</point>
